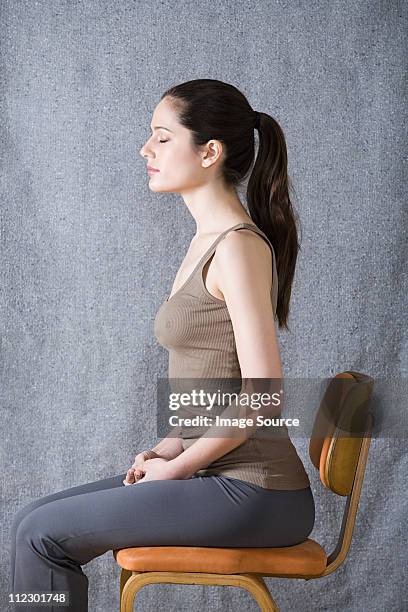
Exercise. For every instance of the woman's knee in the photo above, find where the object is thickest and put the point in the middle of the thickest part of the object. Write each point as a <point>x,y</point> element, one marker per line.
<point>34,529</point>
<point>23,512</point>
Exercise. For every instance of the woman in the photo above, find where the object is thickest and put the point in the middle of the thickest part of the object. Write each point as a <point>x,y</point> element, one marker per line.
<point>217,322</point>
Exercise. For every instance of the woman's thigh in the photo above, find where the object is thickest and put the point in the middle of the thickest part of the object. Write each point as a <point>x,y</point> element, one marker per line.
<point>195,511</point>
<point>200,511</point>
<point>97,485</point>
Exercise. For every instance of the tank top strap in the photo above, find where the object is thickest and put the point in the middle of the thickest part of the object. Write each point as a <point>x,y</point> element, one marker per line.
<point>256,229</point>
<point>212,248</point>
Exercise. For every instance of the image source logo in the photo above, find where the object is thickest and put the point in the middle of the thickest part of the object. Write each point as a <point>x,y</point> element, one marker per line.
<point>222,407</point>
<point>271,408</point>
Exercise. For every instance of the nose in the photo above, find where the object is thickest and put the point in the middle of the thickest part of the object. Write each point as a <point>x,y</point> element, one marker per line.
<point>145,151</point>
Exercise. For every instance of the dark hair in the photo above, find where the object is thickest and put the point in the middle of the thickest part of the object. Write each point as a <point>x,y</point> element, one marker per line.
<point>212,109</point>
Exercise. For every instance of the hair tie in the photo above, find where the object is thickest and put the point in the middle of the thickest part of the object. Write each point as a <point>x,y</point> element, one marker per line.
<point>257,120</point>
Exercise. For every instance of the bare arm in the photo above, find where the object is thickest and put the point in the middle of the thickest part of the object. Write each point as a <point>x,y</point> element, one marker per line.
<point>248,299</point>
<point>171,446</point>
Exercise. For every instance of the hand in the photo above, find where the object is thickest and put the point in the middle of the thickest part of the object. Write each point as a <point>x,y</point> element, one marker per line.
<point>136,472</point>
<point>159,469</point>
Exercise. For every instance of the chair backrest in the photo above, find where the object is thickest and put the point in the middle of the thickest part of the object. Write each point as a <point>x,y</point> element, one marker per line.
<point>339,447</point>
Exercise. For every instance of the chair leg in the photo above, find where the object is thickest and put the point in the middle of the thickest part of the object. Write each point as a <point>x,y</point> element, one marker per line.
<point>253,583</point>
<point>262,594</point>
<point>124,577</point>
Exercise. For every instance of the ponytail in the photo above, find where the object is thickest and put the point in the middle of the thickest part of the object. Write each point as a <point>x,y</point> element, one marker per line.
<point>270,207</point>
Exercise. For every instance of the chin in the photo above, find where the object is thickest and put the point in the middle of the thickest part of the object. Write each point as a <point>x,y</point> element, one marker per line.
<point>157,189</point>
<point>161,189</point>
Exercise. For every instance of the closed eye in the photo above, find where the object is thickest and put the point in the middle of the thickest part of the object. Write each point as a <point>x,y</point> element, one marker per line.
<point>163,140</point>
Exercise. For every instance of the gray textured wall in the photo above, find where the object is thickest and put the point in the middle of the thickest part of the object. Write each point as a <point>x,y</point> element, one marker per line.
<point>88,252</point>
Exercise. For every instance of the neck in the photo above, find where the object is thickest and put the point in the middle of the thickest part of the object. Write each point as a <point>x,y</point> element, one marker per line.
<point>215,208</point>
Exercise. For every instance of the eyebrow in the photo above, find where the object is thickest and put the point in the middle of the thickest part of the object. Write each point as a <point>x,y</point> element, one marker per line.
<point>161,127</point>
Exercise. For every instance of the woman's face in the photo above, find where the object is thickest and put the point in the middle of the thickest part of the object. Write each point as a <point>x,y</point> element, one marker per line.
<point>169,150</point>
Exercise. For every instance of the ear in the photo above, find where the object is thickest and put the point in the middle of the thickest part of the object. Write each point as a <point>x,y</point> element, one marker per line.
<point>212,151</point>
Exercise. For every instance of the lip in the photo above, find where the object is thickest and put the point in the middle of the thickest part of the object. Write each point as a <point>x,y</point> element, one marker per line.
<point>150,169</point>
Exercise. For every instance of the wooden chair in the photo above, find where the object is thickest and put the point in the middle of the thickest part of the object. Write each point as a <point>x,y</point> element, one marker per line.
<point>341,462</point>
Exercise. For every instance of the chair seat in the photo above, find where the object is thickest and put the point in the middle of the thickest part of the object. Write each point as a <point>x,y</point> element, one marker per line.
<point>306,558</point>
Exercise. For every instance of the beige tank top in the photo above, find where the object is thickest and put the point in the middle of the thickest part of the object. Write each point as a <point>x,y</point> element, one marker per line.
<point>195,327</point>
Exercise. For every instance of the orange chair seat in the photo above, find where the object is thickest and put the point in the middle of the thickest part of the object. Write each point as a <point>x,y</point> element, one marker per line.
<point>307,558</point>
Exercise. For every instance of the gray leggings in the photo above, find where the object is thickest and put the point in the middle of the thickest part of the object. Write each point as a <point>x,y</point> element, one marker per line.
<point>53,536</point>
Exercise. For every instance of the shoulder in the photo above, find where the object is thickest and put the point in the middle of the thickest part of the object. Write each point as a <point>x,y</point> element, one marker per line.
<point>244,256</point>
<point>244,246</point>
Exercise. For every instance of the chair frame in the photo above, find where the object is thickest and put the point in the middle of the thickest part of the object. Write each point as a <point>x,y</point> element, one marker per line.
<point>131,582</point>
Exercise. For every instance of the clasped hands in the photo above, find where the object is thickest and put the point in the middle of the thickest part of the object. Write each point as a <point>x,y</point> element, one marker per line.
<point>148,465</point>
